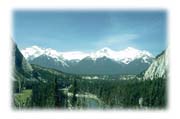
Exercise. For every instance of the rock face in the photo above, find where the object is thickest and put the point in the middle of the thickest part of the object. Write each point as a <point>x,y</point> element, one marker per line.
<point>21,66</point>
<point>158,68</point>
<point>22,70</point>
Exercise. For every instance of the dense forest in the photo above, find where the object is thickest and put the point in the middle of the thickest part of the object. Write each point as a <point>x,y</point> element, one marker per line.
<point>50,88</point>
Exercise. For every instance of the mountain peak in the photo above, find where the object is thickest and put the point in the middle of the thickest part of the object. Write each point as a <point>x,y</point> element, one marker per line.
<point>126,56</point>
<point>105,49</point>
<point>36,47</point>
<point>131,49</point>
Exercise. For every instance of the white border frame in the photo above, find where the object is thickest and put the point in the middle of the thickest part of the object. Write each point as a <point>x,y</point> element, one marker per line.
<point>172,8</point>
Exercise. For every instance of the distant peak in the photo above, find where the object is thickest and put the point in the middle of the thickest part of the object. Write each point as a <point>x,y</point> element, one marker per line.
<point>36,47</point>
<point>105,49</point>
<point>126,55</point>
<point>40,48</point>
<point>130,48</point>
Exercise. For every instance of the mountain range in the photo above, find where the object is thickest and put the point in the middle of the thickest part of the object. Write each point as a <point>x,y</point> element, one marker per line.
<point>103,61</point>
<point>36,86</point>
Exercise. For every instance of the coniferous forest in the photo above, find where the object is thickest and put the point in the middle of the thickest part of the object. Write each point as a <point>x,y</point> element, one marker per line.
<point>49,88</point>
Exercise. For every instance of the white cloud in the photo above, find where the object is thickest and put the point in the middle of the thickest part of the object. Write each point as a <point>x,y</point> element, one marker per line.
<point>117,40</point>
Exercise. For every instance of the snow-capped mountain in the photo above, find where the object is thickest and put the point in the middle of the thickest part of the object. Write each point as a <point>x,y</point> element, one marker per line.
<point>35,51</point>
<point>105,60</point>
<point>126,56</point>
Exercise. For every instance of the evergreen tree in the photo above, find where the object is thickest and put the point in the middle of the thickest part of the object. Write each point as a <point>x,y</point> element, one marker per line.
<point>74,98</point>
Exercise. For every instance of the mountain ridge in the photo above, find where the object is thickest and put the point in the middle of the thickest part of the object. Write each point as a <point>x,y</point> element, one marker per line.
<point>103,61</point>
<point>126,56</point>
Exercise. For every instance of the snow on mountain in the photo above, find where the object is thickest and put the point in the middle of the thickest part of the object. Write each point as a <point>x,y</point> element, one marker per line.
<point>131,54</point>
<point>35,51</point>
<point>126,56</point>
<point>32,52</point>
<point>104,52</point>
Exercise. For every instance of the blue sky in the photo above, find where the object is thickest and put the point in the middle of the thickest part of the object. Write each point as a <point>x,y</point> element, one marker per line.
<point>91,30</point>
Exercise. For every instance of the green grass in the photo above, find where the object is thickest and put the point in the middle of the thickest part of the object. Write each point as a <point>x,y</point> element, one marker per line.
<point>22,99</point>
